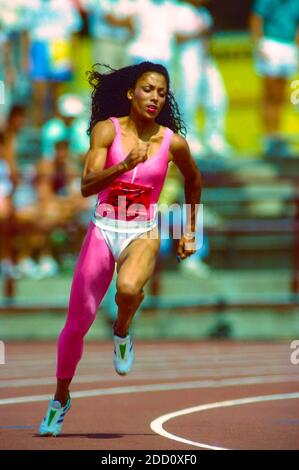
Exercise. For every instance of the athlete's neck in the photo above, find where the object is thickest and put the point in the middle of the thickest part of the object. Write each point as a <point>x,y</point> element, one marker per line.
<point>141,128</point>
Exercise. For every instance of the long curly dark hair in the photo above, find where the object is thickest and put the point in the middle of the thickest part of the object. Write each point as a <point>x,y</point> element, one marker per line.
<point>109,95</point>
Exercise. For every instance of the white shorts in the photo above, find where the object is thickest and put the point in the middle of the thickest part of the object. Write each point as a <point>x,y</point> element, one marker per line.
<point>276,59</point>
<point>118,241</point>
<point>120,233</point>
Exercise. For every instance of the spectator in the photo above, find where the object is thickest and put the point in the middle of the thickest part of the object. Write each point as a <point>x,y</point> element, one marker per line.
<point>70,125</point>
<point>152,24</point>
<point>51,25</point>
<point>58,183</point>
<point>274,28</point>
<point>200,76</point>
<point>28,238</point>
<point>12,53</point>
<point>109,42</point>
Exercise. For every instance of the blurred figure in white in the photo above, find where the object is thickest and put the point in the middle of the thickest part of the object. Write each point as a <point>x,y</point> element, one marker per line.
<point>200,82</point>
<point>51,25</point>
<point>109,42</point>
<point>12,56</point>
<point>152,24</point>
<point>274,25</point>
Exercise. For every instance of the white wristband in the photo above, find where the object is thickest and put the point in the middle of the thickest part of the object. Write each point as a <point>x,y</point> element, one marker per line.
<point>189,235</point>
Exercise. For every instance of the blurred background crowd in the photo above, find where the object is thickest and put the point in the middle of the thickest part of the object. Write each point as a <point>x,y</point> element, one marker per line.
<point>233,69</point>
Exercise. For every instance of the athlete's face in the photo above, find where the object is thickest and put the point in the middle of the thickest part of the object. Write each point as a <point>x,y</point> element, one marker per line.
<point>149,94</point>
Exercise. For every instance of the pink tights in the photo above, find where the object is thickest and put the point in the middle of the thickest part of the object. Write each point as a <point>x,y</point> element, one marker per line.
<point>93,274</point>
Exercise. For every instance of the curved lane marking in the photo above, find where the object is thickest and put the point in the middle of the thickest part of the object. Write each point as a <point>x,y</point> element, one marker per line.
<point>157,424</point>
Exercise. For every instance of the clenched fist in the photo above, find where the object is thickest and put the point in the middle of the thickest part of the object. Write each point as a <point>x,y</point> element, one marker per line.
<point>137,155</point>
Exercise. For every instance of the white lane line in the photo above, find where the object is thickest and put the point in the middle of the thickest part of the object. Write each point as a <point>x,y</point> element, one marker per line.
<point>22,371</point>
<point>204,351</point>
<point>107,376</point>
<point>236,381</point>
<point>154,350</point>
<point>171,355</point>
<point>10,370</point>
<point>157,424</point>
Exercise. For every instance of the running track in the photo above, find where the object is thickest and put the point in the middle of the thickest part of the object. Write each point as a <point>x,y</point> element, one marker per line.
<point>186,396</point>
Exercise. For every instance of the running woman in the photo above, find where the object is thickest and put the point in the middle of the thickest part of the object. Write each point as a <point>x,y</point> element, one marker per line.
<point>134,128</point>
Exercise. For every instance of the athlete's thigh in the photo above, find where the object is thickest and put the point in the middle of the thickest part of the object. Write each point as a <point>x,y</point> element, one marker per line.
<point>137,262</point>
<point>95,265</point>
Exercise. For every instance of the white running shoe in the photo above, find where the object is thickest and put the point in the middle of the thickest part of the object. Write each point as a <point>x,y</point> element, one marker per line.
<point>123,356</point>
<point>52,422</point>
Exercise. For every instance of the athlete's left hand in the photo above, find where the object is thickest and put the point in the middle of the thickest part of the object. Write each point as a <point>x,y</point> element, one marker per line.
<point>186,247</point>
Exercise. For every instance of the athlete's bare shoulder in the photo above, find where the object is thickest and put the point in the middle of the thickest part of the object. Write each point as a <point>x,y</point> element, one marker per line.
<point>102,134</point>
<point>178,147</point>
<point>180,155</point>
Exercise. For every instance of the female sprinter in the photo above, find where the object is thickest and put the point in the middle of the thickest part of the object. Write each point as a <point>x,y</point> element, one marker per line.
<point>134,130</point>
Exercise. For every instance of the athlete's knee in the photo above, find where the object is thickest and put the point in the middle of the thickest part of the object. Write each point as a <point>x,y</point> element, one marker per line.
<point>78,327</point>
<point>128,291</point>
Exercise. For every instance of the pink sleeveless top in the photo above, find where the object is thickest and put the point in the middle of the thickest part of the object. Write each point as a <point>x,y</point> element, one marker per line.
<point>133,197</point>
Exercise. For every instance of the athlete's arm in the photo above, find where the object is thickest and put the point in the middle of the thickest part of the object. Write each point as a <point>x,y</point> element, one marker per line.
<point>256,24</point>
<point>185,37</point>
<point>181,157</point>
<point>126,22</point>
<point>94,177</point>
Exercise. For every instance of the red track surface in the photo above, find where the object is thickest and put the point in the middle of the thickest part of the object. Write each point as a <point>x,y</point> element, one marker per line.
<point>192,374</point>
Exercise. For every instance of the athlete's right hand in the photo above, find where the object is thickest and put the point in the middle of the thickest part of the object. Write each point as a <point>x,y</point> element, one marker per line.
<point>137,155</point>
